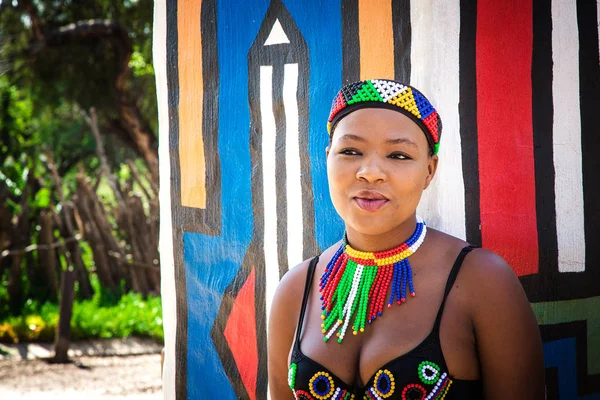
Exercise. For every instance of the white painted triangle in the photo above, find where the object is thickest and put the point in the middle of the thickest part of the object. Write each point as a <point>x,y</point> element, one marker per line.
<point>277,35</point>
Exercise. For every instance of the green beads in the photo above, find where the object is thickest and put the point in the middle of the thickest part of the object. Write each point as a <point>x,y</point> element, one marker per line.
<point>292,375</point>
<point>366,93</point>
<point>429,372</point>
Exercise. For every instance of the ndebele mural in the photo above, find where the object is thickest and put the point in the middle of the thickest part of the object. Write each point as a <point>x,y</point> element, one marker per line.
<point>245,88</point>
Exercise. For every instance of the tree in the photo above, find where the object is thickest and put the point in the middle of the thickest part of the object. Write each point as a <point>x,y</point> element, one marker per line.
<point>89,54</point>
<point>59,61</point>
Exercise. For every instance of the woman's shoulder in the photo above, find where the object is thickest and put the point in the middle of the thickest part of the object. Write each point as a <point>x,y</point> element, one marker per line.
<point>290,289</point>
<point>489,271</point>
<point>483,273</point>
<point>298,273</point>
<point>486,278</point>
<point>479,264</point>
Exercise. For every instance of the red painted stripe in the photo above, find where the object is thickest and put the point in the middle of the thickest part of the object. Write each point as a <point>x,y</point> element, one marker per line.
<point>240,333</point>
<point>505,132</point>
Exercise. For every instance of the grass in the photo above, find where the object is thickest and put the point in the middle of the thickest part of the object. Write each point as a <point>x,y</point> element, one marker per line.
<point>103,316</point>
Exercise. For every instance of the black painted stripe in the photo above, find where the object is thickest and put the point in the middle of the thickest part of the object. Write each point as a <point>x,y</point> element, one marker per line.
<point>176,208</point>
<point>402,39</point>
<point>310,246</point>
<point>467,109</point>
<point>543,110</point>
<point>210,116</point>
<point>280,165</point>
<point>350,42</point>
<point>589,86</point>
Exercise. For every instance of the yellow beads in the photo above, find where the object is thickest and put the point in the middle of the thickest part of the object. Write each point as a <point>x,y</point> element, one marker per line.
<point>446,390</point>
<point>392,260</point>
<point>406,100</point>
<point>366,255</point>
<point>380,262</point>
<point>392,384</point>
<point>312,387</point>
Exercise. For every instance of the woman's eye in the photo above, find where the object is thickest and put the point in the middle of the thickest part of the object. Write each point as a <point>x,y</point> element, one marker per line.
<point>399,156</point>
<point>349,152</point>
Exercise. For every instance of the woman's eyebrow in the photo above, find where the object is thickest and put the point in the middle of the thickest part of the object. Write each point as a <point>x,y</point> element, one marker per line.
<point>402,141</point>
<point>350,136</point>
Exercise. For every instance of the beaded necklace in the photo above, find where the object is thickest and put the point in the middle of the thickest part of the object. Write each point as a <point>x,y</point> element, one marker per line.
<point>356,282</point>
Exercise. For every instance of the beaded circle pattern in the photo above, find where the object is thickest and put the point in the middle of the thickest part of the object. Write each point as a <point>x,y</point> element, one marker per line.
<point>414,391</point>
<point>429,372</point>
<point>302,395</point>
<point>355,283</point>
<point>336,394</point>
<point>392,94</point>
<point>321,385</point>
<point>385,384</point>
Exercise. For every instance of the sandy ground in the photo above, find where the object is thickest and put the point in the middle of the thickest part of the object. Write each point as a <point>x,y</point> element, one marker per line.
<point>134,377</point>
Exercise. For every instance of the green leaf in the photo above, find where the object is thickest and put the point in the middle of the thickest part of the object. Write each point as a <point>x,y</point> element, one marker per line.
<point>42,198</point>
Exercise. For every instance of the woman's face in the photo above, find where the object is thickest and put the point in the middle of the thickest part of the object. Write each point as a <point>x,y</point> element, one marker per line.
<point>378,165</point>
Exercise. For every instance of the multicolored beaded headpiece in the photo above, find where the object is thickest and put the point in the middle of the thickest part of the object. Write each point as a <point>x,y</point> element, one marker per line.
<point>356,283</point>
<point>385,93</point>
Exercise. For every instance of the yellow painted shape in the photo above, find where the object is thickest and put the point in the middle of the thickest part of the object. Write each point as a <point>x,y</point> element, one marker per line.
<point>376,39</point>
<point>192,161</point>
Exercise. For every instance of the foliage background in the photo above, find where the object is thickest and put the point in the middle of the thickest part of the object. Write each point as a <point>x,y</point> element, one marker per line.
<point>58,61</point>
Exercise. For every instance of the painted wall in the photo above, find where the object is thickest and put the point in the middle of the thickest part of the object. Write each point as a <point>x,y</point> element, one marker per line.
<point>244,94</point>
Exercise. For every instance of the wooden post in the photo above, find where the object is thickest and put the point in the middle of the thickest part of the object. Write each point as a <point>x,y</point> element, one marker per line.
<point>63,330</point>
<point>48,256</point>
<point>85,287</point>
<point>124,217</point>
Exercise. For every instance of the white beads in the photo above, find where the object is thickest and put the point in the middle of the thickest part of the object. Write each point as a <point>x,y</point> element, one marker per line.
<point>348,306</point>
<point>388,90</point>
<point>436,389</point>
<point>373,393</point>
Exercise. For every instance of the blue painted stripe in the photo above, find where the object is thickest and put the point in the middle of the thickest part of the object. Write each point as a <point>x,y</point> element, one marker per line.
<point>211,263</point>
<point>561,354</point>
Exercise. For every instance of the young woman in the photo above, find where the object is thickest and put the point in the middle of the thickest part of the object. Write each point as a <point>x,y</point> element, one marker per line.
<point>397,310</point>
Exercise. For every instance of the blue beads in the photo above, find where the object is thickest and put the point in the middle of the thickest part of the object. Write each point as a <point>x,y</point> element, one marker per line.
<point>405,268</point>
<point>402,277</point>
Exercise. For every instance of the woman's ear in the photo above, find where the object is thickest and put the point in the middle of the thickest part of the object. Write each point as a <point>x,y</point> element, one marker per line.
<point>431,168</point>
<point>327,151</point>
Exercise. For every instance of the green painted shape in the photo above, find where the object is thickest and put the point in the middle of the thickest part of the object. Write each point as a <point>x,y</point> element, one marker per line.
<point>559,312</point>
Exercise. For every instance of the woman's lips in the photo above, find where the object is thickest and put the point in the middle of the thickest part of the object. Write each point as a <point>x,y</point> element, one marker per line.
<point>370,205</point>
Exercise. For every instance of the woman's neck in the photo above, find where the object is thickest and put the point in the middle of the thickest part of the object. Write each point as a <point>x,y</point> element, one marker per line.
<point>382,241</point>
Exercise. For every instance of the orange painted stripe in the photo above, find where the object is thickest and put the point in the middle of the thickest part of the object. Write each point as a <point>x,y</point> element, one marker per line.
<point>191,144</point>
<point>376,39</point>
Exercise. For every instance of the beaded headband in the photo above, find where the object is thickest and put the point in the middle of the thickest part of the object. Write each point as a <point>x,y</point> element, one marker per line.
<point>385,93</point>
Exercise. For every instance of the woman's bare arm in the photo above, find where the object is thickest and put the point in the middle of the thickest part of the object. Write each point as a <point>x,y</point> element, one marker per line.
<point>508,337</point>
<point>283,319</point>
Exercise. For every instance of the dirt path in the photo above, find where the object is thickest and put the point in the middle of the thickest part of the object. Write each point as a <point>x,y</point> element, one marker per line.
<point>89,378</point>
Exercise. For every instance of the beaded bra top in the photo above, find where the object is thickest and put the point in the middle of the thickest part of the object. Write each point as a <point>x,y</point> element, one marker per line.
<point>420,374</point>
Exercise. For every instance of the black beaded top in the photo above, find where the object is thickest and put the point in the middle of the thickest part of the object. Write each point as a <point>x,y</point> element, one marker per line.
<point>420,374</point>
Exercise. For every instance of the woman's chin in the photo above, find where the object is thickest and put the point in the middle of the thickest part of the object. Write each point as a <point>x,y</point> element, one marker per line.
<point>371,226</point>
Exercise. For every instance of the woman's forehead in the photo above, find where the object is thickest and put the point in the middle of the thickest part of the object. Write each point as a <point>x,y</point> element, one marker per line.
<point>379,125</point>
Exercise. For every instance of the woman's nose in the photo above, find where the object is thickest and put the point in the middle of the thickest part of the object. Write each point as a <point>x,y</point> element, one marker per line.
<point>371,170</point>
